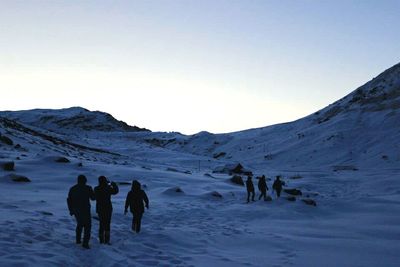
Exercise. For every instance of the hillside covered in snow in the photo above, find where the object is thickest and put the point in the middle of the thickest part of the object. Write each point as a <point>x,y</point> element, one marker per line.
<point>345,158</point>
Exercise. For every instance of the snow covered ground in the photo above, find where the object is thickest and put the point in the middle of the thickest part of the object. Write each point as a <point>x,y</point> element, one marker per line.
<point>345,157</point>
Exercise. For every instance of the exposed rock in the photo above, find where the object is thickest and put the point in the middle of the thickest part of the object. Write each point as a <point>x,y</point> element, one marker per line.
<point>309,201</point>
<point>236,179</point>
<point>62,160</point>
<point>19,178</point>
<point>46,213</point>
<point>291,198</point>
<point>344,168</point>
<point>6,140</point>
<point>294,192</point>
<point>209,175</point>
<point>174,190</point>
<point>180,171</point>
<point>80,164</point>
<point>219,155</point>
<point>232,169</point>
<point>216,194</point>
<point>295,177</point>
<point>9,166</point>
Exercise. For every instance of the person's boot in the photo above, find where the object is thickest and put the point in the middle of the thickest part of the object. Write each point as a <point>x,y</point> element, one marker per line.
<point>101,238</point>
<point>85,245</point>
<point>78,240</point>
<point>107,237</point>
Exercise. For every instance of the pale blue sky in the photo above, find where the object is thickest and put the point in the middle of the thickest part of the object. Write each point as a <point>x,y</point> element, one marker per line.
<point>188,66</point>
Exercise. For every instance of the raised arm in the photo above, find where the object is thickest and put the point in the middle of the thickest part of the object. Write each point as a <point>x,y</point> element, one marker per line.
<point>146,199</point>
<point>114,188</point>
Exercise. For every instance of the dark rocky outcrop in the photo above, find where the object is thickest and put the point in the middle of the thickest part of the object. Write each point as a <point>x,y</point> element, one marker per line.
<point>8,166</point>
<point>293,192</point>
<point>236,179</point>
<point>216,194</point>
<point>310,202</point>
<point>19,178</point>
<point>233,169</point>
<point>62,160</point>
<point>6,140</point>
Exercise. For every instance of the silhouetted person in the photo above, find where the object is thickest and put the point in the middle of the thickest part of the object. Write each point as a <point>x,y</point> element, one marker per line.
<point>262,186</point>
<point>104,208</point>
<point>135,200</point>
<point>79,205</point>
<point>277,186</point>
<point>250,189</point>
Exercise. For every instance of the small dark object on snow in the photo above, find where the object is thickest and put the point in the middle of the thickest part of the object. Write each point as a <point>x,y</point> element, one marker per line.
<point>17,146</point>
<point>236,179</point>
<point>6,140</point>
<point>309,201</point>
<point>20,178</point>
<point>62,160</point>
<point>291,198</point>
<point>216,194</point>
<point>80,164</point>
<point>294,192</point>
<point>9,166</point>
<point>46,213</point>
<point>178,190</point>
<point>218,155</point>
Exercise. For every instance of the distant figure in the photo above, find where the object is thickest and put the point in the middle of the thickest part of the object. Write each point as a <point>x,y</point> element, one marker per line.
<point>136,199</point>
<point>104,208</point>
<point>262,186</point>
<point>277,186</point>
<point>79,206</point>
<point>250,189</point>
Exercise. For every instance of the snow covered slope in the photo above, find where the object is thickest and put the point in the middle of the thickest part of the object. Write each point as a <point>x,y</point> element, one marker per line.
<point>70,119</point>
<point>344,157</point>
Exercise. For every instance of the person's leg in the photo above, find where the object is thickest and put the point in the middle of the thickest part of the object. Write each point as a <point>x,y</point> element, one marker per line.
<point>248,196</point>
<point>278,192</point>
<point>101,227</point>
<point>87,229</point>
<point>253,195</point>
<point>107,226</point>
<point>134,223</point>
<point>78,229</point>
<point>261,194</point>
<point>138,222</point>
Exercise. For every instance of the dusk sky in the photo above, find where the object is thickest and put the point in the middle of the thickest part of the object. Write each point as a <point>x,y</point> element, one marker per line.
<point>189,66</point>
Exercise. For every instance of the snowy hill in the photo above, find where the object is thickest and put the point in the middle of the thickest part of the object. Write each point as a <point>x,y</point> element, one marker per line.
<point>345,157</point>
<point>70,119</point>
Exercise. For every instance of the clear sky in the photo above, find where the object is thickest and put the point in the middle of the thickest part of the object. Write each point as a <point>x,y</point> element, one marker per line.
<point>188,66</point>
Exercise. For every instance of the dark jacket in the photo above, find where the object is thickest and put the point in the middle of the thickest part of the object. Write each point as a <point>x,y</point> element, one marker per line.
<point>103,194</point>
<point>135,201</point>
<point>79,199</point>
<point>278,185</point>
<point>262,185</point>
<point>249,185</point>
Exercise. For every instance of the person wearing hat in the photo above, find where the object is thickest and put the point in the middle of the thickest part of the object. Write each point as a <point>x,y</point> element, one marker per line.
<point>262,186</point>
<point>250,189</point>
<point>136,200</point>
<point>78,200</point>
<point>104,208</point>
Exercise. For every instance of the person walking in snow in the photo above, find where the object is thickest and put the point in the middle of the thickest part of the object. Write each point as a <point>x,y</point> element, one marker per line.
<point>78,200</point>
<point>277,186</point>
<point>104,208</point>
<point>136,200</point>
<point>262,186</point>
<point>250,189</point>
